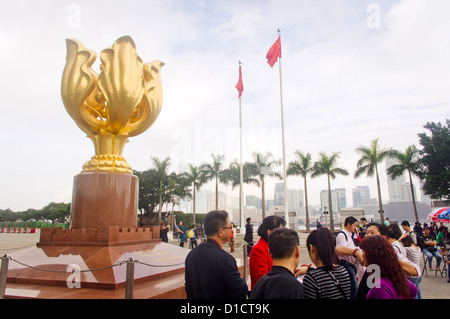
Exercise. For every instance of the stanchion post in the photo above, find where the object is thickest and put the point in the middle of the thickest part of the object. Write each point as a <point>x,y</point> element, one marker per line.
<point>129,284</point>
<point>245,260</point>
<point>3,275</point>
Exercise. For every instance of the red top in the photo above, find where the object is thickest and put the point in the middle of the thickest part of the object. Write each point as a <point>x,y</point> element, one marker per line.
<point>260,261</point>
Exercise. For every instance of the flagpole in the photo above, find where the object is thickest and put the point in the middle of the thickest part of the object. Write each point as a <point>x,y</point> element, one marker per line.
<point>286,206</point>
<point>241,173</point>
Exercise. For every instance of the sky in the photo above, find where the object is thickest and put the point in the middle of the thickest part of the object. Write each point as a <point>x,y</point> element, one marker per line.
<point>351,71</point>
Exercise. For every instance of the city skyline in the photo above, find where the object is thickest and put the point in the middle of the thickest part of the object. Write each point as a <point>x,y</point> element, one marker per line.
<point>339,196</point>
<point>352,71</point>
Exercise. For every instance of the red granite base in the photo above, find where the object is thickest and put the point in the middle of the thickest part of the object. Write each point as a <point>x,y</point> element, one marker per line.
<point>98,265</point>
<point>100,236</point>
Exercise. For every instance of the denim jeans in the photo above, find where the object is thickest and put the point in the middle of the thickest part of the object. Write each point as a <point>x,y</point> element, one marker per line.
<point>416,281</point>
<point>430,256</point>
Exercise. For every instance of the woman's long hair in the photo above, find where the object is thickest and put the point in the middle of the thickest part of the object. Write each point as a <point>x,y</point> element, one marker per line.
<point>324,242</point>
<point>380,252</point>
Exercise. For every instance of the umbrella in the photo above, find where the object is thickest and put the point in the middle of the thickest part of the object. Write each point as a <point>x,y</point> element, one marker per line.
<point>444,214</point>
<point>434,215</point>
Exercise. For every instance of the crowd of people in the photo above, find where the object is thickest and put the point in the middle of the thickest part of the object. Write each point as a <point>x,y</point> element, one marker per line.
<point>367,261</point>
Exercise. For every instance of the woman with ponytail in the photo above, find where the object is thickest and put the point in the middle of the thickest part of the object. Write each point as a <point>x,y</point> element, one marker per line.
<point>260,262</point>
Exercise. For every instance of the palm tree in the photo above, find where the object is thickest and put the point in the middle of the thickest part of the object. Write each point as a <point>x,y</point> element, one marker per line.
<point>214,171</point>
<point>327,166</point>
<point>148,191</point>
<point>302,167</point>
<point>161,167</point>
<point>178,187</point>
<point>197,179</point>
<point>262,166</point>
<point>368,163</point>
<point>233,175</point>
<point>408,161</point>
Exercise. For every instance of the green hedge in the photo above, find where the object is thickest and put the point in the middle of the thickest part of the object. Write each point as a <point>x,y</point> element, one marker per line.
<point>31,225</point>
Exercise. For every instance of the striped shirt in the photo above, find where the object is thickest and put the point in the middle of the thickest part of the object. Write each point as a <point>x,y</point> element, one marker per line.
<point>319,284</point>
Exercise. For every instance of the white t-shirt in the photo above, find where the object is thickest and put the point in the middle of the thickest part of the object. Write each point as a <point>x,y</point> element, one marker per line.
<point>346,242</point>
<point>342,241</point>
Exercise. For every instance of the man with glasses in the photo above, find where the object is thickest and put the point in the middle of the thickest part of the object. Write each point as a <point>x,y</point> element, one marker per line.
<point>210,271</point>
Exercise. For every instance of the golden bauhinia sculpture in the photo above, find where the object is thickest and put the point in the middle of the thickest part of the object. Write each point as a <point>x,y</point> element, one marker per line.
<point>123,100</point>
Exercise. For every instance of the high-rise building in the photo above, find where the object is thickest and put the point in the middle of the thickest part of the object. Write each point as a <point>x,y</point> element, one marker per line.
<point>301,198</point>
<point>406,192</point>
<point>294,199</point>
<point>212,201</point>
<point>399,189</point>
<point>253,201</point>
<point>395,186</point>
<point>279,194</point>
<point>360,194</point>
<point>338,199</point>
<point>202,201</point>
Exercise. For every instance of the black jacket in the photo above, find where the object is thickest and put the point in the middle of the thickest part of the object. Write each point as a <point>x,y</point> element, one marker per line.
<point>212,273</point>
<point>278,283</point>
<point>248,233</point>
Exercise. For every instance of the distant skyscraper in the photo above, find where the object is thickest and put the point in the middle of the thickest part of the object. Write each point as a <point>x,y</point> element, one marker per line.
<point>253,201</point>
<point>202,201</point>
<point>338,199</point>
<point>294,202</point>
<point>279,194</point>
<point>395,186</point>
<point>301,198</point>
<point>406,192</point>
<point>212,201</point>
<point>360,194</point>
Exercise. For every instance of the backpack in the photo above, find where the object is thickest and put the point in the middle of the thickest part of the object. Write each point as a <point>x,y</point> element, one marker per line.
<point>355,241</point>
<point>420,241</point>
<point>190,233</point>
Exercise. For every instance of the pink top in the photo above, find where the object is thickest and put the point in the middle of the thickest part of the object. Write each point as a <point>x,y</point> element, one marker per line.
<point>384,289</point>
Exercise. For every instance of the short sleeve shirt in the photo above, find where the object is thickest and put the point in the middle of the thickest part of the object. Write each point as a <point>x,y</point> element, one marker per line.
<point>347,242</point>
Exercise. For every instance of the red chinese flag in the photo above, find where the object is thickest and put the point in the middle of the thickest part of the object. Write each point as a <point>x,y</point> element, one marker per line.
<point>274,52</point>
<point>240,85</point>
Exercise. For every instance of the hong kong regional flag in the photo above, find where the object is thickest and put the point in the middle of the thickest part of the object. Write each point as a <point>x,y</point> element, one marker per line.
<point>240,85</point>
<point>274,52</point>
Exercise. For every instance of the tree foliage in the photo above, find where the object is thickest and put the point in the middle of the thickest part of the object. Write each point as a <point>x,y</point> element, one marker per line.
<point>53,212</point>
<point>435,160</point>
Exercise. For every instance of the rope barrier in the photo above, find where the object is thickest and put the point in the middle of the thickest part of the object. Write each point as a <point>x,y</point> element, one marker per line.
<point>150,265</point>
<point>62,271</point>
<point>119,263</point>
<point>129,276</point>
<point>244,243</point>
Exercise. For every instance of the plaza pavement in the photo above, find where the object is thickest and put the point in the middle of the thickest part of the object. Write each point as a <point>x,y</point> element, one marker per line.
<point>433,286</point>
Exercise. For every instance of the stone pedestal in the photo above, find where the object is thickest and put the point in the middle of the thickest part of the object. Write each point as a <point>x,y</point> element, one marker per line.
<point>103,233</point>
<point>104,200</point>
